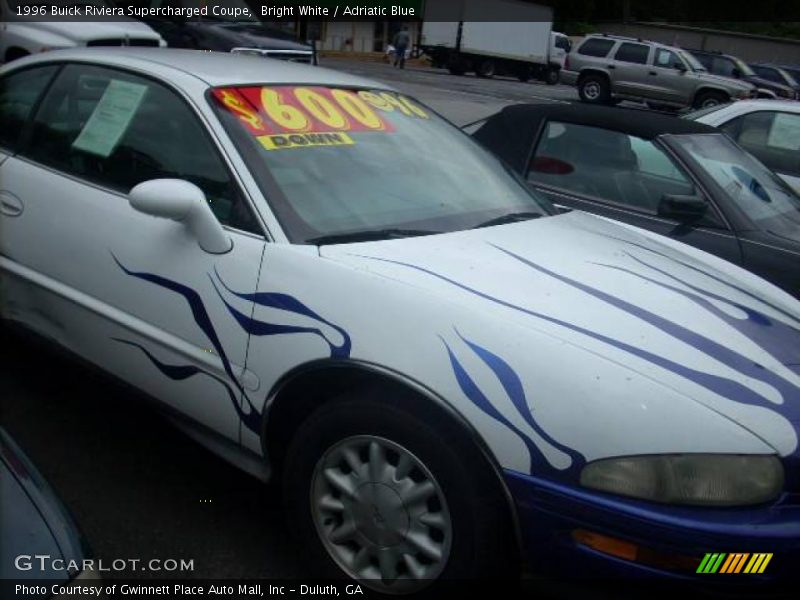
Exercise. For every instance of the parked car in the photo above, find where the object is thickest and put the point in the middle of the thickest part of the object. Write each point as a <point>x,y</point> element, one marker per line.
<point>793,70</point>
<point>39,540</point>
<point>778,75</point>
<point>607,69</point>
<point>675,177</point>
<point>337,287</point>
<point>21,36</point>
<point>726,65</point>
<point>242,34</point>
<point>769,130</point>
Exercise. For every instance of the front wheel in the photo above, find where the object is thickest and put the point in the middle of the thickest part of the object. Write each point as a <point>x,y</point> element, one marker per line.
<point>376,494</point>
<point>552,76</point>
<point>710,99</point>
<point>594,89</point>
<point>486,69</point>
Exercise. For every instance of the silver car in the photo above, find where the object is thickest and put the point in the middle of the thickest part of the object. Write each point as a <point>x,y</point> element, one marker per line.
<point>607,69</point>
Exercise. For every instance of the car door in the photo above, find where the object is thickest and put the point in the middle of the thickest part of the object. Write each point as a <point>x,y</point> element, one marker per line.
<point>630,69</point>
<point>129,292</point>
<point>622,177</point>
<point>773,137</point>
<point>668,74</point>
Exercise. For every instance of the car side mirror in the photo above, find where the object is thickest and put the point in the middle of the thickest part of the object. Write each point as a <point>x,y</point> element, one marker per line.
<point>683,208</point>
<point>736,73</point>
<point>680,67</point>
<point>185,203</point>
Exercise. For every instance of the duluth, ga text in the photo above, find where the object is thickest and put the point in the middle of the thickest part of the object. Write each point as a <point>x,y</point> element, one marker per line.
<point>344,10</point>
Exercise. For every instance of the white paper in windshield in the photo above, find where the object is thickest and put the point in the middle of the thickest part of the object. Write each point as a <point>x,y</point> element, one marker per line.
<point>111,117</point>
<point>785,132</point>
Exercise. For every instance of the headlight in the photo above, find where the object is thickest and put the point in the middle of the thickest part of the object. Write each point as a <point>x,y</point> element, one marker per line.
<point>698,479</point>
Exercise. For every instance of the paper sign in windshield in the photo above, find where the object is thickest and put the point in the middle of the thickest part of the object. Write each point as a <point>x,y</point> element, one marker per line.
<point>305,116</point>
<point>110,119</point>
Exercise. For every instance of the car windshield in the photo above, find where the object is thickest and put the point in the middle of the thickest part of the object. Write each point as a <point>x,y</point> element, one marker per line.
<point>693,63</point>
<point>756,190</point>
<point>337,162</point>
<point>693,115</point>
<point>744,68</point>
<point>788,78</point>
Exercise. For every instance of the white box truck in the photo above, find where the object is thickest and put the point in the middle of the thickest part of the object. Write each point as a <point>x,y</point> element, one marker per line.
<point>519,45</point>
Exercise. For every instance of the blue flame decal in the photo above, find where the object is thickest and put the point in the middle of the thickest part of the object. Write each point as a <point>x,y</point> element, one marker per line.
<point>251,420</point>
<point>512,385</point>
<point>287,303</point>
<point>727,388</point>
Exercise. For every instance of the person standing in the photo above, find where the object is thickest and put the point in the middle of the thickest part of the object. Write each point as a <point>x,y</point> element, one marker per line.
<point>401,41</point>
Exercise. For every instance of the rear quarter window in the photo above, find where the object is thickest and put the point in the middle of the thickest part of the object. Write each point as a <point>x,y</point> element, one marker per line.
<point>596,47</point>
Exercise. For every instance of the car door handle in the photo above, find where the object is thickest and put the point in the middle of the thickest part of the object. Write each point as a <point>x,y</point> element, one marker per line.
<point>612,67</point>
<point>653,73</point>
<point>10,205</point>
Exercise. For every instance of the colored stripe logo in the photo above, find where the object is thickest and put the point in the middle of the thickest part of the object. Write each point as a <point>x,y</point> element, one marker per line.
<point>735,562</point>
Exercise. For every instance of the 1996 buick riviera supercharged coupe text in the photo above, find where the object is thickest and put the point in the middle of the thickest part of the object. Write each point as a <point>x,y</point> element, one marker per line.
<point>329,283</point>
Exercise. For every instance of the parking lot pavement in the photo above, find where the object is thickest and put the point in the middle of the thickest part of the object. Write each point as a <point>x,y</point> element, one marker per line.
<point>138,487</point>
<point>462,99</point>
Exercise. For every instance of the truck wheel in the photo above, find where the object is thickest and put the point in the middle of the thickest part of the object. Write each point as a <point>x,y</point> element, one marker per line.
<point>486,68</point>
<point>709,99</point>
<point>374,492</point>
<point>552,76</point>
<point>594,89</point>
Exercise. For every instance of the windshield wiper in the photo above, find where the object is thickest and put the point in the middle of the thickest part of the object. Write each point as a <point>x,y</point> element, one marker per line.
<point>509,218</point>
<point>368,236</point>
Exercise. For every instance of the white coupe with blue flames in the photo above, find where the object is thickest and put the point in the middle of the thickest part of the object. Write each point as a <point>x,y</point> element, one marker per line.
<point>324,281</point>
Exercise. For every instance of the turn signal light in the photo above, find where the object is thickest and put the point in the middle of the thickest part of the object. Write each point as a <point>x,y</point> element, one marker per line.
<point>634,552</point>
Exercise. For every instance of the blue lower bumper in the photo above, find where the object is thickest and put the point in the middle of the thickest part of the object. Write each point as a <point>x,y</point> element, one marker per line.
<point>549,513</point>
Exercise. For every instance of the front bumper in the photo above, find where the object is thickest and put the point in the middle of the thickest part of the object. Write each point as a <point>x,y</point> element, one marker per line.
<point>672,540</point>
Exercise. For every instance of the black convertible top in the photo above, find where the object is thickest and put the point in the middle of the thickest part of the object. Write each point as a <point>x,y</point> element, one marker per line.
<point>510,134</point>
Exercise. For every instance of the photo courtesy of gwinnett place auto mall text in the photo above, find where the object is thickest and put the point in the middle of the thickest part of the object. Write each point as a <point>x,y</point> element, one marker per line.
<point>424,299</point>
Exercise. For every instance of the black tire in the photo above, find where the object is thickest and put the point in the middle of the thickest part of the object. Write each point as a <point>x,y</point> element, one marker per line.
<point>486,69</point>
<point>594,89</point>
<point>709,99</point>
<point>552,76</point>
<point>481,545</point>
<point>456,69</point>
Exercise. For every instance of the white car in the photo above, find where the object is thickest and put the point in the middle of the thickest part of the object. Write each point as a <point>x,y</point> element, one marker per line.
<point>325,281</point>
<point>23,32</point>
<point>768,129</point>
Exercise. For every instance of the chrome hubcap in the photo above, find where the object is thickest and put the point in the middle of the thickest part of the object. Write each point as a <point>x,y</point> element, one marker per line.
<point>591,91</point>
<point>710,102</point>
<point>381,514</point>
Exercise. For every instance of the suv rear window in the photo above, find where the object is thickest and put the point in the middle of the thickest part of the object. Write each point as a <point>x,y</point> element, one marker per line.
<point>633,53</point>
<point>596,47</point>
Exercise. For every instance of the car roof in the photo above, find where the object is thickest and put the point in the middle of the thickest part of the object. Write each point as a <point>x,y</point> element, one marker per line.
<point>511,132</point>
<point>214,68</point>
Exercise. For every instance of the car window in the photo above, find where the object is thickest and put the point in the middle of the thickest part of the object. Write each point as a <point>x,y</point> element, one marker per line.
<point>772,137</point>
<point>118,130</point>
<point>704,59</point>
<point>345,162</point>
<point>722,66</point>
<point>596,47</point>
<point>632,53</point>
<point>607,165</point>
<point>667,59</point>
<point>563,43</point>
<point>767,73</point>
<point>19,93</point>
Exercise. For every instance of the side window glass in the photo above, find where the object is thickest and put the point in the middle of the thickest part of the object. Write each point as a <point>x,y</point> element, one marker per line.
<point>704,60</point>
<point>773,138</point>
<point>19,93</point>
<point>596,47</point>
<point>118,130</point>
<point>667,60</point>
<point>633,53</point>
<point>723,66</point>
<point>606,165</point>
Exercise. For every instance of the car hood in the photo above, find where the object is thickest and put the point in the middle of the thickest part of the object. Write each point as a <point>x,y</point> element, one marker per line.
<point>695,323</point>
<point>98,30</point>
<point>769,85</point>
<point>247,35</point>
<point>725,81</point>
